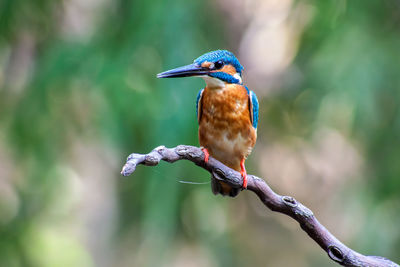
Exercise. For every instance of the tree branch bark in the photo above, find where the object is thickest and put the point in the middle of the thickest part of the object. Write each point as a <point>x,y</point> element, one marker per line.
<point>335,249</point>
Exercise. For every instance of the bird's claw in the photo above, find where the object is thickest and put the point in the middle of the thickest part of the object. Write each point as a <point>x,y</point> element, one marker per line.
<point>243,173</point>
<point>244,176</point>
<point>206,154</point>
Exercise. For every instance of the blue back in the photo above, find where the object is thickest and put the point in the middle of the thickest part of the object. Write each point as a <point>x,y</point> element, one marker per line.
<point>254,108</point>
<point>198,99</point>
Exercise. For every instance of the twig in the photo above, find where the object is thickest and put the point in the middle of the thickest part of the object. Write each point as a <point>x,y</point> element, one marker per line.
<point>336,250</point>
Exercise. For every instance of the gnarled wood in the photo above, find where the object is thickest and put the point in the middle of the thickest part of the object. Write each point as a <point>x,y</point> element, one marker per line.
<point>335,249</point>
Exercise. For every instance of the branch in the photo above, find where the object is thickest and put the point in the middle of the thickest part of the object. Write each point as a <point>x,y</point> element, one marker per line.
<point>336,250</point>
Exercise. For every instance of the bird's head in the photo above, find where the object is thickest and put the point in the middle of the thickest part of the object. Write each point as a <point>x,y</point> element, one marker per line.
<point>217,68</point>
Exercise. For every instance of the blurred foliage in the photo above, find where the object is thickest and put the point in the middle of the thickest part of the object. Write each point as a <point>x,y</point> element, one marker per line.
<point>357,63</point>
<point>78,93</point>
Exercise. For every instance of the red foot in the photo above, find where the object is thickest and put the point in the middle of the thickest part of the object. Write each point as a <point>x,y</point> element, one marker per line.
<point>206,154</point>
<point>243,173</point>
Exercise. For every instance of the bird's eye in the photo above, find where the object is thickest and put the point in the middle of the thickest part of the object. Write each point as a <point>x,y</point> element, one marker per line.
<point>219,64</point>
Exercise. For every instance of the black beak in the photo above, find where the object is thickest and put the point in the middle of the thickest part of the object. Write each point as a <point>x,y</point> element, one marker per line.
<point>185,71</point>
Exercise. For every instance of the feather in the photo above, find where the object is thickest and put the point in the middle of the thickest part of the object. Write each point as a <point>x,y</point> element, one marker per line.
<point>253,108</point>
<point>199,105</point>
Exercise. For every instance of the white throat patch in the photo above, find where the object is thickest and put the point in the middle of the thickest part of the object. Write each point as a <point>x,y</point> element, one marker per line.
<point>213,82</point>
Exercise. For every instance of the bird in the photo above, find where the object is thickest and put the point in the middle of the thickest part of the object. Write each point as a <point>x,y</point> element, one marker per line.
<point>227,113</point>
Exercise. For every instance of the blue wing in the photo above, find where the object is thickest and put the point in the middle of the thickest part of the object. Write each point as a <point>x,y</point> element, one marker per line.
<point>198,105</point>
<point>253,101</point>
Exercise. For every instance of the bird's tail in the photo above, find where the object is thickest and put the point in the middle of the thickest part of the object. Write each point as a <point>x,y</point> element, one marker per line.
<point>223,188</point>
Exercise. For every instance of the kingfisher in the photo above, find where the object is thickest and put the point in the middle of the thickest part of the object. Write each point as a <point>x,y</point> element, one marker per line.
<point>227,113</point>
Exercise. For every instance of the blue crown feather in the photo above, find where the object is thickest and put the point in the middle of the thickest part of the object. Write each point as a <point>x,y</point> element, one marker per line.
<point>224,55</point>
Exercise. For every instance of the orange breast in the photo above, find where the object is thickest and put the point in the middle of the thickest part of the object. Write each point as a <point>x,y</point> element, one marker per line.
<point>225,128</point>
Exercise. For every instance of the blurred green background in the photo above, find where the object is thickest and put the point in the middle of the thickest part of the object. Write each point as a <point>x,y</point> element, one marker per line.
<point>78,94</point>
